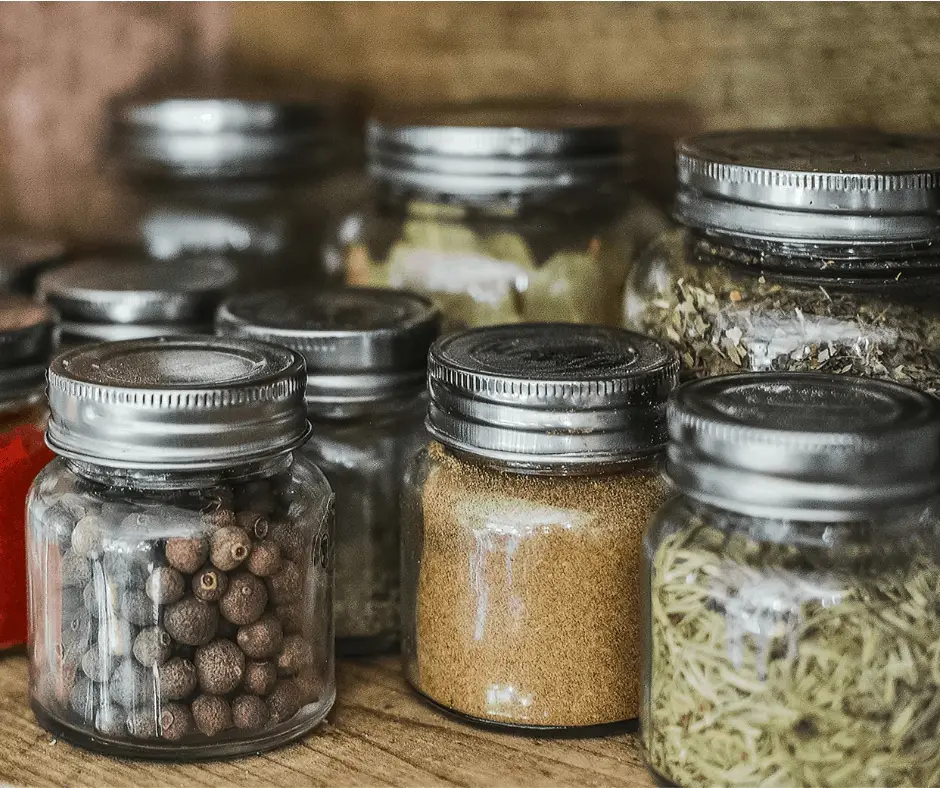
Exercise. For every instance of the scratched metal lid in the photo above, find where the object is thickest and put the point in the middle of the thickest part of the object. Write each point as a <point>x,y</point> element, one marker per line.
<point>840,187</point>
<point>549,395</point>
<point>176,402</point>
<point>26,339</point>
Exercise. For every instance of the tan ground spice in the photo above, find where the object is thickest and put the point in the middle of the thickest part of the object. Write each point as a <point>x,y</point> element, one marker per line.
<point>529,602</point>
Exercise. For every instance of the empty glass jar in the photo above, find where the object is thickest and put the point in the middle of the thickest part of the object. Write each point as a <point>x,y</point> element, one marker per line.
<point>366,353</point>
<point>523,520</point>
<point>800,251</point>
<point>792,622</point>
<point>503,214</point>
<point>180,552</point>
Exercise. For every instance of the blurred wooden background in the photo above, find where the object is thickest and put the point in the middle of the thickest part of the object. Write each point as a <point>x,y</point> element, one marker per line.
<point>681,67</point>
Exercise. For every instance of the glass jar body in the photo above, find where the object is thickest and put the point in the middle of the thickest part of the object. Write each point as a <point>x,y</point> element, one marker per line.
<point>521,602</point>
<point>364,458</point>
<point>731,308</point>
<point>560,257</point>
<point>798,653</point>
<point>181,615</point>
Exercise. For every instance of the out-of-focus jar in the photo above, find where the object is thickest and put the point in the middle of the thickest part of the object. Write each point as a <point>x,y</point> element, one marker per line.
<point>23,258</point>
<point>180,558</point>
<point>792,624</point>
<point>503,214</point>
<point>26,334</point>
<point>523,520</point>
<point>366,353</point>
<point>102,299</point>
<point>801,251</point>
<point>235,176</point>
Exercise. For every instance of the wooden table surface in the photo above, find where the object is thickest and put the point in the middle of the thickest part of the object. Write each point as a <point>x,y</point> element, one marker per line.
<point>377,734</point>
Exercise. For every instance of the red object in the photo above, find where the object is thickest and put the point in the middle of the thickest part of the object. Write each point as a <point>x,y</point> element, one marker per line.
<point>23,454</point>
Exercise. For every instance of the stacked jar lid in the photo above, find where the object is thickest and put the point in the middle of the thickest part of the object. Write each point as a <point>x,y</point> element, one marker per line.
<point>23,258</point>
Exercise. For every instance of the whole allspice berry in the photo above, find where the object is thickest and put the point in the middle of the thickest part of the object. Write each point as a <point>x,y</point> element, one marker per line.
<point>110,719</point>
<point>92,600</point>
<point>131,685</point>
<point>260,678</point>
<point>187,554</point>
<point>75,569</point>
<point>83,698</point>
<point>87,536</point>
<point>289,538</point>
<point>212,714</point>
<point>265,559</point>
<point>137,608</point>
<point>284,702</point>
<point>153,646</point>
<point>230,546</point>
<point>176,721</point>
<point>253,523</point>
<point>191,621</point>
<point>57,523</point>
<point>165,585</point>
<point>93,666</point>
<point>296,655</point>
<point>291,617</point>
<point>209,584</point>
<point>220,666</point>
<point>250,713</point>
<point>142,723</point>
<point>245,600</point>
<point>286,585</point>
<point>177,679</point>
<point>217,516</point>
<point>310,685</point>
<point>263,639</point>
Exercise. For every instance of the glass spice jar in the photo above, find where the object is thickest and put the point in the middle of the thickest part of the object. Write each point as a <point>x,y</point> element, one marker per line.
<point>236,176</point>
<point>503,214</point>
<point>522,524</point>
<point>366,352</point>
<point>26,334</point>
<point>800,251</point>
<point>792,625</point>
<point>180,552</point>
<point>24,257</point>
<point>130,298</point>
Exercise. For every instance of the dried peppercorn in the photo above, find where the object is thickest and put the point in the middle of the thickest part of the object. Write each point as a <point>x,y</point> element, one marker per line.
<point>245,599</point>
<point>265,559</point>
<point>230,546</point>
<point>262,639</point>
<point>212,714</point>
<point>153,646</point>
<point>286,585</point>
<point>284,702</point>
<point>250,713</point>
<point>187,554</point>
<point>177,679</point>
<point>166,585</point>
<point>220,666</point>
<point>191,621</point>
<point>209,584</point>
<point>260,678</point>
<point>176,721</point>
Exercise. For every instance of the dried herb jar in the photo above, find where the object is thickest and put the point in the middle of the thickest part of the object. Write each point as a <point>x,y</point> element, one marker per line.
<point>366,352</point>
<point>792,622</point>
<point>179,548</point>
<point>522,524</point>
<point>800,251</point>
<point>502,214</point>
<point>105,299</point>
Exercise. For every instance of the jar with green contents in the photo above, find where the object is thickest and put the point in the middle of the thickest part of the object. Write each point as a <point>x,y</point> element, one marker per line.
<point>799,251</point>
<point>792,625</point>
<point>503,214</point>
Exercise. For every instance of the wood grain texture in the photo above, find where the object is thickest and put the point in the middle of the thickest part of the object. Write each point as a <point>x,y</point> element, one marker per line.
<point>377,734</point>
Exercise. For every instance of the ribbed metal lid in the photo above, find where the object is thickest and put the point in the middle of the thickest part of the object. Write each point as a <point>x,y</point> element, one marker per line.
<point>791,445</point>
<point>550,395</point>
<point>497,149</point>
<point>360,344</point>
<point>195,134</point>
<point>22,257</point>
<point>823,186</point>
<point>138,291</point>
<point>176,403</point>
<point>26,337</point>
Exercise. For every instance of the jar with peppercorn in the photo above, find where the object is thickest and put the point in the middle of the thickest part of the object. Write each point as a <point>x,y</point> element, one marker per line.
<point>180,552</point>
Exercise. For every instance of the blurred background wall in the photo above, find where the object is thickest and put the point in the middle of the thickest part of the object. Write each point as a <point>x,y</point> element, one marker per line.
<point>682,67</point>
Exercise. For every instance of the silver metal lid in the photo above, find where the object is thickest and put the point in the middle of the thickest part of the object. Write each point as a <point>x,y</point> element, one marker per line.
<point>176,403</point>
<point>23,257</point>
<point>821,187</point>
<point>26,338</point>
<point>360,344</point>
<point>804,445</point>
<point>138,291</point>
<point>199,135</point>
<point>497,149</point>
<point>73,332</point>
<point>550,395</point>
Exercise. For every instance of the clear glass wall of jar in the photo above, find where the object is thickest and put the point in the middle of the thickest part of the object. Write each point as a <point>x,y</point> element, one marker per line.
<point>791,617</point>
<point>180,552</point>
<point>522,524</point>
<point>366,353</point>
<point>503,214</point>
<point>800,251</point>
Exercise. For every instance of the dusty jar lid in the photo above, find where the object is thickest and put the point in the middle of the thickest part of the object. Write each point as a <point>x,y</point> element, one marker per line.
<point>824,186</point>
<point>138,291</point>
<point>26,338</point>
<point>23,257</point>
<point>198,135</point>
<point>789,445</point>
<point>549,395</point>
<point>360,344</point>
<point>176,403</point>
<point>499,149</point>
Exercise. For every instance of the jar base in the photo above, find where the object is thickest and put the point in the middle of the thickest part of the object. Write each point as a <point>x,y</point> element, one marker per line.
<point>660,780</point>
<point>534,731</point>
<point>177,751</point>
<point>367,646</point>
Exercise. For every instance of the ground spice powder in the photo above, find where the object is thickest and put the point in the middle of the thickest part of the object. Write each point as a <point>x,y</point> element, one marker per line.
<point>529,594</point>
